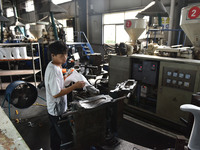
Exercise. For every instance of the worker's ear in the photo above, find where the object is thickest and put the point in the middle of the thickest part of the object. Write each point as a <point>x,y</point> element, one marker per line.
<point>52,55</point>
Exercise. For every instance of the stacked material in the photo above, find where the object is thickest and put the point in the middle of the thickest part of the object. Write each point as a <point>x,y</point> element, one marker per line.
<point>13,53</point>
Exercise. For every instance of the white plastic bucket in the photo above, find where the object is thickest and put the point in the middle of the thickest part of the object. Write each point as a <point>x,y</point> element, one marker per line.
<point>23,52</point>
<point>1,55</point>
<point>16,53</point>
<point>8,52</point>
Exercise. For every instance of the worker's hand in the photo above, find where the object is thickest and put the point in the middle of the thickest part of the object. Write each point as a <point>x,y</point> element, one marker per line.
<point>79,85</point>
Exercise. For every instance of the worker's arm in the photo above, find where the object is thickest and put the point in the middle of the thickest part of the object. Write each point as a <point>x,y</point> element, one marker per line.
<point>77,85</point>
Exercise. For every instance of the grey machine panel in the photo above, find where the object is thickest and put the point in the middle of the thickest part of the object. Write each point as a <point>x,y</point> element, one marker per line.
<point>177,79</point>
<point>119,70</point>
<point>177,83</point>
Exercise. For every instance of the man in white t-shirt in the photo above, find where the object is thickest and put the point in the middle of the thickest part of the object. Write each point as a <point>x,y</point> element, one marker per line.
<point>56,92</point>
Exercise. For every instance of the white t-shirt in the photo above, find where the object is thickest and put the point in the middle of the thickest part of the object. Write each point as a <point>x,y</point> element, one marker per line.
<point>54,82</point>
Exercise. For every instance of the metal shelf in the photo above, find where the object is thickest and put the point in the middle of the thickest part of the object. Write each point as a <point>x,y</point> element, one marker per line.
<point>17,72</point>
<point>16,44</point>
<point>21,72</point>
<point>28,58</point>
<point>75,43</point>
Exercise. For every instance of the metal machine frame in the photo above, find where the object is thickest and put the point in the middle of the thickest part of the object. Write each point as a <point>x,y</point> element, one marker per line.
<point>169,96</point>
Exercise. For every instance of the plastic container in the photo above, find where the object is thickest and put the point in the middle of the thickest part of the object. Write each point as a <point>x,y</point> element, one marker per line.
<point>23,52</point>
<point>16,53</point>
<point>8,52</point>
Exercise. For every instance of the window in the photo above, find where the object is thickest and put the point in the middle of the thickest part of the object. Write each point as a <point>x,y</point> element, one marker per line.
<point>109,34</point>
<point>29,5</point>
<point>60,1</point>
<point>9,12</point>
<point>113,26</point>
<point>68,30</point>
<point>114,18</point>
<point>69,34</point>
<point>63,22</point>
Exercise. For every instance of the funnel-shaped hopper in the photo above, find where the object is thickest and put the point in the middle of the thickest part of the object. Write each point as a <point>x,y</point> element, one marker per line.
<point>36,30</point>
<point>51,7</point>
<point>134,28</point>
<point>154,9</point>
<point>190,23</point>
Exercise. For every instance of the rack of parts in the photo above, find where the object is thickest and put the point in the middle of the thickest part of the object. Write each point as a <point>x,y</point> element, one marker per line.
<point>22,72</point>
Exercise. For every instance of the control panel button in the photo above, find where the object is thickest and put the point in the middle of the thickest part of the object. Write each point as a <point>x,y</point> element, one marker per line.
<point>181,75</point>
<point>186,84</point>
<point>175,74</point>
<point>140,68</point>
<point>180,82</point>
<point>187,76</point>
<point>174,81</point>
<point>169,73</point>
<point>168,81</point>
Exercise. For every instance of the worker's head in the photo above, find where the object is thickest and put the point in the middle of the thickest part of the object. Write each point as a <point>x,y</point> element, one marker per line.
<point>58,52</point>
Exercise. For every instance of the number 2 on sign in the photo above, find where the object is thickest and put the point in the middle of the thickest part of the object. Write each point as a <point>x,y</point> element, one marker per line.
<point>128,23</point>
<point>194,12</point>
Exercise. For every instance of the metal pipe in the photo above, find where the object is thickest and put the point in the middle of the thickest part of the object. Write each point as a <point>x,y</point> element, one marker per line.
<point>87,17</point>
<point>1,32</point>
<point>14,9</point>
<point>54,26</point>
<point>171,18</point>
<point>1,13</point>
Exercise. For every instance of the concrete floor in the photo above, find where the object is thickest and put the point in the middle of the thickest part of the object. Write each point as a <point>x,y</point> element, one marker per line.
<point>34,128</point>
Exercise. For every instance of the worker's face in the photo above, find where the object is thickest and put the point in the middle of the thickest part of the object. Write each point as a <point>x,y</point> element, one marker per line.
<point>59,58</point>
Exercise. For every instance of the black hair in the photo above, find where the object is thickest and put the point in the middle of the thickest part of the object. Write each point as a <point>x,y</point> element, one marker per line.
<point>58,47</point>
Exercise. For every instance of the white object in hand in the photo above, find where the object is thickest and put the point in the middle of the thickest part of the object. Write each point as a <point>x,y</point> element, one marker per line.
<point>74,76</point>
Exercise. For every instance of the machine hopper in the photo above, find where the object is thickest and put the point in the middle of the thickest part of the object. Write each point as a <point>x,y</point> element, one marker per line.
<point>134,28</point>
<point>190,23</point>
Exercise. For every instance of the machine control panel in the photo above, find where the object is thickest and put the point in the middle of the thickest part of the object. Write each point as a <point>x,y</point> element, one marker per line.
<point>179,78</point>
<point>145,71</point>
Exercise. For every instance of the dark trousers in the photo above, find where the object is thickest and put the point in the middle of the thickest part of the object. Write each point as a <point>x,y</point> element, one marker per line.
<point>59,133</point>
